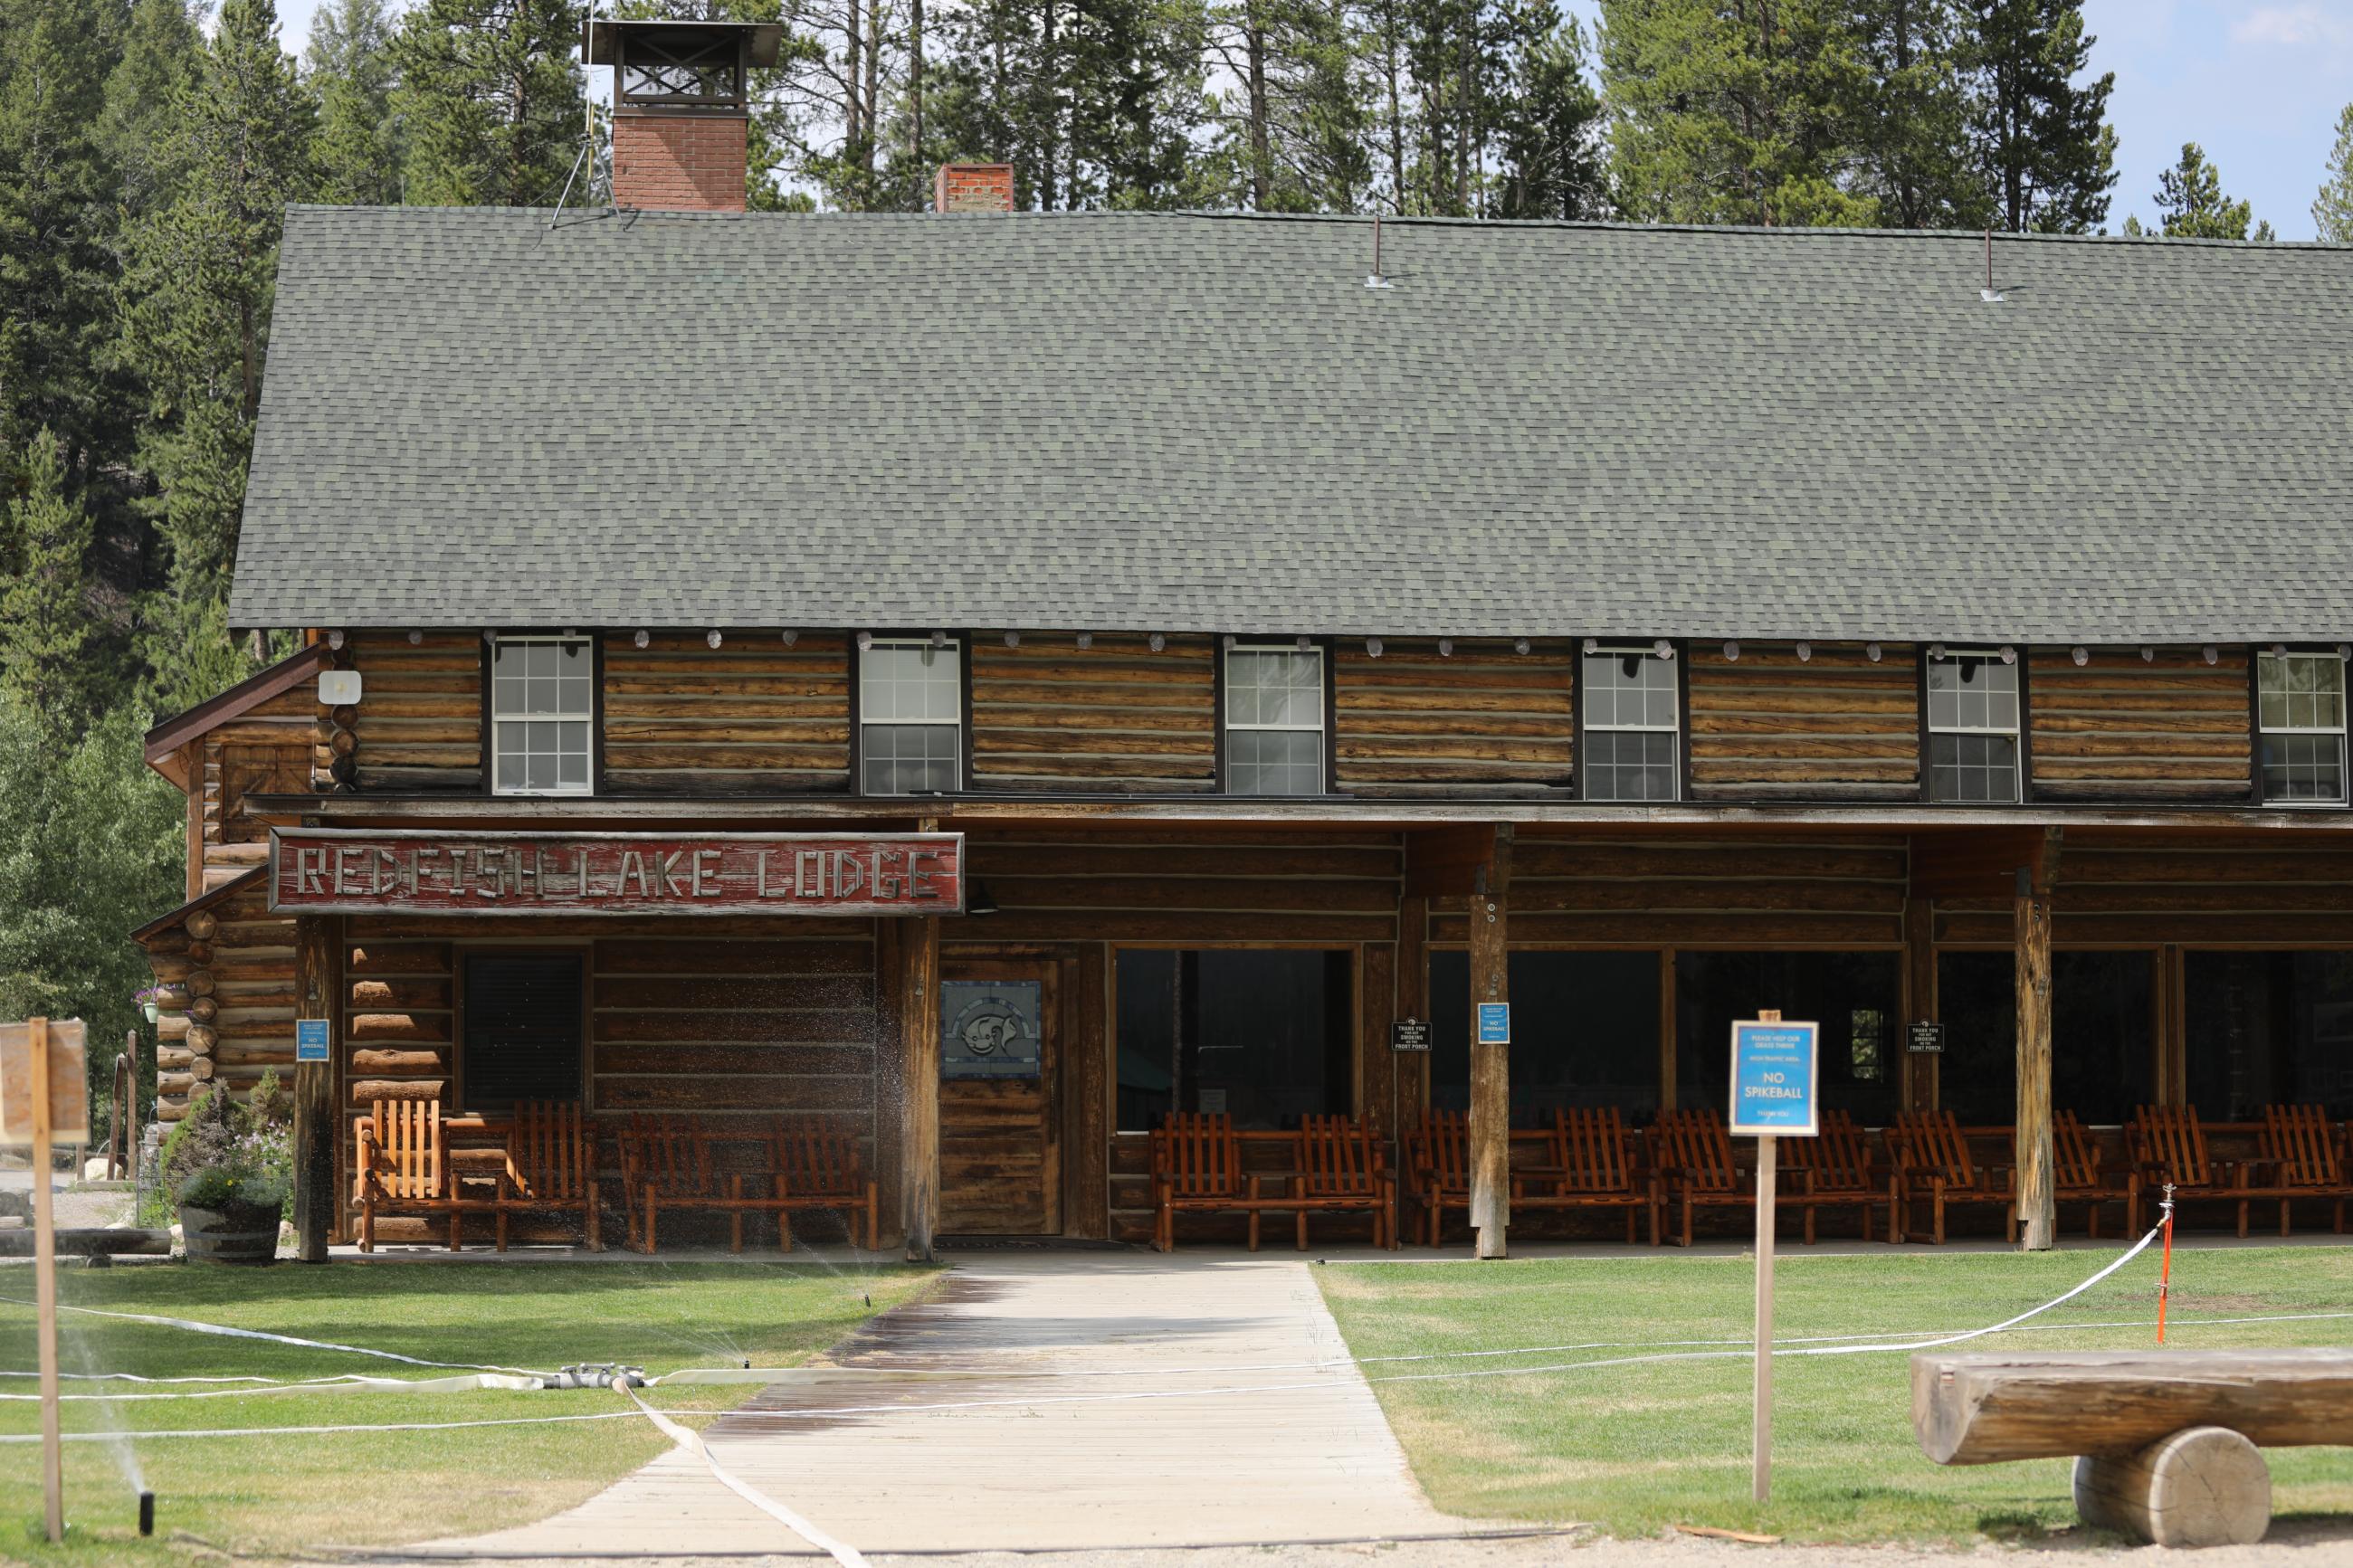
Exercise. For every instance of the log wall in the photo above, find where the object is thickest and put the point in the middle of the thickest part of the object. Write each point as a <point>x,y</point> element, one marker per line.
<point>749,716</point>
<point>1835,726</point>
<point>228,1013</point>
<point>418,726</point>
<point>2118,727</point>
<point>1483,722</point>
<point>2114,889</point>
<point>1116,717</point>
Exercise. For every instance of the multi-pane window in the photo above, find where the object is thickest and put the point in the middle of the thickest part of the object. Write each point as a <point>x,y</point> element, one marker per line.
<point>1973,729</point>
<point>1275,720</point>
<point>911,718</point>
<point>1633,724</point>
<point>543,715</point>
<point>2300,710</point>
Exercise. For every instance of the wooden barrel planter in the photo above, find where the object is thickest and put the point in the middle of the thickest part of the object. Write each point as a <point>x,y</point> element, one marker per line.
<point>240,1235</point>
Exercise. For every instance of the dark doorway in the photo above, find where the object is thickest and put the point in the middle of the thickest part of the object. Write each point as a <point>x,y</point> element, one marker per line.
<point>1265,1035</point>
<point>1585,1031</point>
<point>2100,1036</point>
<point>523,1029</point>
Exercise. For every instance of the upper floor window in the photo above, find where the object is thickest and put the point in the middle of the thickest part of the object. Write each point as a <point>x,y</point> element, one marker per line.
<point>1275,720</point>
<point>543,715</point>
<point>2300,713</point>
<point>1633,725</point>
<point>910,717</point>
<point>1973,729</point>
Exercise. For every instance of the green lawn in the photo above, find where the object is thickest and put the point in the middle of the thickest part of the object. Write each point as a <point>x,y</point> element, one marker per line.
<point>276,1494</point>
<point>1635,1448</point>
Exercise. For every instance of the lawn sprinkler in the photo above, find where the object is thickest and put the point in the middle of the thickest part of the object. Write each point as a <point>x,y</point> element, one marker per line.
<point>600,1374</point>
<point>146,1513</point>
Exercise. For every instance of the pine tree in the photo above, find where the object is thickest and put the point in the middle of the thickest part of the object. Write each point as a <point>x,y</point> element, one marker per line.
<point>491,93</point>
<point>1548,123</point>
<point>349,67</point>
<point>1910,121</point>
<point>1292,128</point>
<point>56,204</point>
<point>2191,197</point>
<point>45,621</point>
<point>1731,110</point>
<point>2332,211</point>
<point>160,45</point>
<point>200,281</point>
<point>2043,143</point>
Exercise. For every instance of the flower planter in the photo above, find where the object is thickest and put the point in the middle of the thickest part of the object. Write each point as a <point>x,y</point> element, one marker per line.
<point>243,1234</point>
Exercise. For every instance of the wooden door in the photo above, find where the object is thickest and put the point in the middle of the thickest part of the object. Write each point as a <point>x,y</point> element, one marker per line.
<point>1000,1160</point>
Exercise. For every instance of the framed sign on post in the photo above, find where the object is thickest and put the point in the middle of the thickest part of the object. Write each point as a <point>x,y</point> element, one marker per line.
<point>1772,1097</point>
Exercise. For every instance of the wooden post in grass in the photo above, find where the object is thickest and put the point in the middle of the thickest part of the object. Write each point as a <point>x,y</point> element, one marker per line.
<point>44,1094</point>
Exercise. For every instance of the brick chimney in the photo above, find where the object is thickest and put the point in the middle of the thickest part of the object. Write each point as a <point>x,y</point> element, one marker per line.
<point>682,111</point>
<point>972,188</point>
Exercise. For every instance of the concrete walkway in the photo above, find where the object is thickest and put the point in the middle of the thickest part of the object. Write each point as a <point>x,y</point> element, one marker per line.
<point>1306,1462</point>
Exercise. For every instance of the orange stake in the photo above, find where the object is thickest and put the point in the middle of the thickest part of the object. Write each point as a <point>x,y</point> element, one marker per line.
<point>2164,1273</point>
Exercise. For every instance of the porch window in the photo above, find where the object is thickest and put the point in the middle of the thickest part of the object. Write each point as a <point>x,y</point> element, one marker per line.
<point>1585,1033</point>
<point>1633,725</point>
<point>522,1028</point>
<point>1275,720</point>
<point>1262,1036</point>
<point>543,715</point>
<point>2100,1014</point>
<point>1973,730</point>
<point>2268,1028</point>
<point>911,718</point>
<point>1854,996</point>
<point>2300,711</point>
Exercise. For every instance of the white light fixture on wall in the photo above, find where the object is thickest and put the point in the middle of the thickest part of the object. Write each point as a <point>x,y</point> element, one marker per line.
<point>1372,647</point>
<point>2010,654</point>
<point>1013,639</point>
<point>1521,645</point>
<point>712,638</point>
<point>1937,652</point>
<point>643,637</point>
<point>1446,647</point>
<point>1805,653</point>
<point>1664,648</point>
<point>1871,651</point>
<point>1592,644</point>
<point>1086,640</point>
<point>2081,655</point>
<point>791,637</point>
<point>1731,651</point>
<point>335,641</point>
<point>865,641</point>
<point>1157,641</point>
<point>415,638</point>
<point>2210,653</point>
<point>2147,654</point>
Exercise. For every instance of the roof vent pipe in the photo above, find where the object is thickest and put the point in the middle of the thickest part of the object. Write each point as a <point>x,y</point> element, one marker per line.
<point>1376,279</point>
<point>1990,294</point>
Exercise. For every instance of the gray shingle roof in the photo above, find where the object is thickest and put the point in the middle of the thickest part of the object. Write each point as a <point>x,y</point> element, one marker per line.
<point>1210,423</point>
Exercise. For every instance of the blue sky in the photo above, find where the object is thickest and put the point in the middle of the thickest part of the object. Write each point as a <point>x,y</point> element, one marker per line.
<point>2258,83</point>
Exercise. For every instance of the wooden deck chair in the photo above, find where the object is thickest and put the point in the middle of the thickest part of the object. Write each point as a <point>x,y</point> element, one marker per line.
<point>1438,1168</point>
<point>550,1167</point>
<point>664,1159</point>
<point>1933,1164</point>
<point>1592,1165</point>
<point>2300,1148</point>
<point>817,1166</point>
<point>2078,1176</point>
<point>1337,1168</point>
<point>1833,1169</point>
<point>1693,1157</point>
<point>1196,1165</point>
<point>400,1165</point>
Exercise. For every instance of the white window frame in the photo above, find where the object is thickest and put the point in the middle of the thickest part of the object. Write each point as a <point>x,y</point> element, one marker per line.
<point>2265,658</point>
<point>1585,722</point>
<point>1321,730</point>
<point>499,785</point>
<point>951,648</point>
<point>2016,736</point>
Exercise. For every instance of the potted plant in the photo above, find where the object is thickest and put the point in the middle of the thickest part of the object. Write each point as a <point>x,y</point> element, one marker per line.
<point>147,1000</point>
<point>230,1164</point>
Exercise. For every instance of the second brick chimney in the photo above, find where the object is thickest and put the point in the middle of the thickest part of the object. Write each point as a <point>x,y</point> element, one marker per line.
<point>680,109</point>
<point>972,188</point>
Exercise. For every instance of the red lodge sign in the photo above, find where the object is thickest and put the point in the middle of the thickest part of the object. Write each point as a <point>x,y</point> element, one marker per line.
<point>427,871</point>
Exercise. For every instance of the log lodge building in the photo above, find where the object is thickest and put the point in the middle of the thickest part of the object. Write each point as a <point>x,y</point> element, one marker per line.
<point>1190,650</point>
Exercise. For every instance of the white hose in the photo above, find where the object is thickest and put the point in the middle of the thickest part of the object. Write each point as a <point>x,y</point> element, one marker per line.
<point>194,1327</point>
<point>841,1551</point>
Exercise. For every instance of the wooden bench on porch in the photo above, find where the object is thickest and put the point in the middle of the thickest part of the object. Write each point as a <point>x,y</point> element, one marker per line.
<point>680,1163</point>
<point>1933,1165</point>
<point>1331,1165</point>
<point>1592,1166</point>
<point>1833,1169</point>
<point>1691,1155</point>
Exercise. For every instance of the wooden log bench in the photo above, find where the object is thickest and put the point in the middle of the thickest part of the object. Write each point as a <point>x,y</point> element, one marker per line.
<point>2166,1443</point>
<point>1331,1165</point>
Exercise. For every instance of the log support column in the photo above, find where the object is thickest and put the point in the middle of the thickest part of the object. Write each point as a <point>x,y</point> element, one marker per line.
<point>2037,1207</point>
<point>318,994</point>
<point>919,1137</point>
<point>1490,1088</point>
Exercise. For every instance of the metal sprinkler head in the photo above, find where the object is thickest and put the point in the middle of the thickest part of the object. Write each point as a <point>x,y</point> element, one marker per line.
<point>146,1513</point>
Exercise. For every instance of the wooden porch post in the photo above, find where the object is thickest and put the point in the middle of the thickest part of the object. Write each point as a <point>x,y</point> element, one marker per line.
<point>1490,1089</point>
<point>2036,1209</point>
<point>319,991</point>
<point>919,1137</point>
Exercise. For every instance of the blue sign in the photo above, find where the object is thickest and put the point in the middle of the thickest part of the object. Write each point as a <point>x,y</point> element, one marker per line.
<point>1772,1079</point>
<point>310,1040</point>
<point>1494,1023</point>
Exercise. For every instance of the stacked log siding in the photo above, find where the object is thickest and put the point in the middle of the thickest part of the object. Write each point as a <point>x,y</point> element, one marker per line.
<point>1835,726</point>
<point>1479,720</point>
<point>1114,717</point>
<point>418,726</point>
<point>2119,727</point>
<point>749,716</point>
